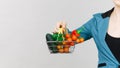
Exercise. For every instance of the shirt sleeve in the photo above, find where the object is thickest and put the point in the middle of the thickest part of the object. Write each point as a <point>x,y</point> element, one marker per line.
<point>86,29</point>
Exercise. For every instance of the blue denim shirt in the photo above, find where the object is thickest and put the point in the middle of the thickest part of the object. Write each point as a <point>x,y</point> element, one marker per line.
<point>96,28</point>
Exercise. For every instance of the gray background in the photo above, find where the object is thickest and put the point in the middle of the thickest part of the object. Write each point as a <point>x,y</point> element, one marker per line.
<point>24,23</point>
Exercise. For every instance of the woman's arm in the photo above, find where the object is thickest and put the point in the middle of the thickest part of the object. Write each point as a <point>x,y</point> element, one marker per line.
<point>86,29</point>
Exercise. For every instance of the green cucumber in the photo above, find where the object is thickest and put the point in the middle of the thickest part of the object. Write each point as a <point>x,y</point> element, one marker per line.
<point>51,45</point>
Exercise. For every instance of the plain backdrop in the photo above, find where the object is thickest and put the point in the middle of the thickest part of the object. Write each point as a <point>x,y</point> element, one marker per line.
<point>24,23</point>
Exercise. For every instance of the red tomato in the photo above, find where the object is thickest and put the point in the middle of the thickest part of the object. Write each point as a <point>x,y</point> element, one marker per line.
<point>77,34</point>
<point>69,40</point>
<point>78,41</point>
<point>67,36</point>
<point>64,43</point>
<point>81,39</point>
<point>59,46</point>
<point>72,44</point>
<point>74,38</point>
<point>61,50</point>
<point>74,32</point>
<point>66,50</point>
<point>66,46</point>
